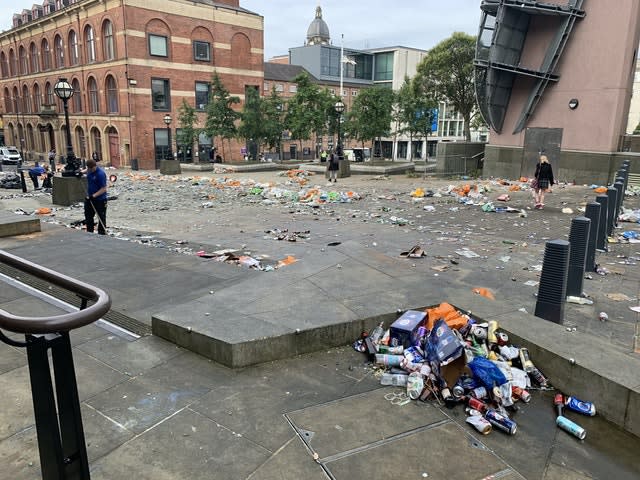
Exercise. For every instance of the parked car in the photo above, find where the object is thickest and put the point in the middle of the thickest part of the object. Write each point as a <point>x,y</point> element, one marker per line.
<point>10,156</point>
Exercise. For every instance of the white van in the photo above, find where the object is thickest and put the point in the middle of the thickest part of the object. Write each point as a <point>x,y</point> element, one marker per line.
<point>10,156</point>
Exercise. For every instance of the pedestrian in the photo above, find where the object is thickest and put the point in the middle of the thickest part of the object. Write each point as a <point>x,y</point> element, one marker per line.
<point>323,156</point>
<point>543,179</point>
<point>96,201</point>
<point>47,176</point>
<point>95,157</point>
<point>34,173</point>
<point>52,156</point>
<point>333,166</point>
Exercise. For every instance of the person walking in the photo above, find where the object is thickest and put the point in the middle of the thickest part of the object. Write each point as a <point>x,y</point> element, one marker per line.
<point>96,201</point>
<point>95,157</point>
<point>333,166</point>
<point>543,181</point>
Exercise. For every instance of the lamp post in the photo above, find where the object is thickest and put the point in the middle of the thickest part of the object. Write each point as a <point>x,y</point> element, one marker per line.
<point>339,107</point>
<point>64,91</point>
<point>167,121</point>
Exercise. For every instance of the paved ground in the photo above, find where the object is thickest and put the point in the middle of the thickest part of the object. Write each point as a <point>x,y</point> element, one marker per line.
<point>156,411</point>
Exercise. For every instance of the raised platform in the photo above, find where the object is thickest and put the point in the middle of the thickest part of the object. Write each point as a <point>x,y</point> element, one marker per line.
<point>13,224</point>
<point>367,168</point>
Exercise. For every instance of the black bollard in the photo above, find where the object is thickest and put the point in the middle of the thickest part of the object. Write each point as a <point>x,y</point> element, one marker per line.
<point>553,282</point>
<point>592,213</point>
<point>578,239</point>
<point>612,195</point>
<point>624,174</point>
<point>619,186</point>
<point>601,243</point>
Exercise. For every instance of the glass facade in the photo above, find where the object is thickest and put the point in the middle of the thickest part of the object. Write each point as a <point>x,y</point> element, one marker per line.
<point>384,66</point>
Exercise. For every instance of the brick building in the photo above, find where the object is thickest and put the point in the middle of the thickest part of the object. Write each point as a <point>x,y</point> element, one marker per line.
<point>130,62</point>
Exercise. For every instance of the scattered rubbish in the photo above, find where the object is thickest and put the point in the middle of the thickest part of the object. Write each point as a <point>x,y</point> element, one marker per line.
<point>603,317</point>
<point>416,252</point>
<point>567,210</point>
<point>635,309</point>
<point>288,236</point>
<point>503,198</point>
<point>531,283</point>
<point>333,244</point>
<point>618,297</point>
<point>429,208</point>
<point>465,252</point>
<point>485,292</point>
<point>579,300</point>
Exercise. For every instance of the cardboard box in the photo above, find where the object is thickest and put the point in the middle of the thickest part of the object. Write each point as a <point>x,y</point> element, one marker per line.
<point>405,328</point>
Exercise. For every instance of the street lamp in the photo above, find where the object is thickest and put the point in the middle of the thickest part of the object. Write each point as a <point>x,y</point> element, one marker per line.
<point>339,108</point>
<point>167,121</point>
<point>64,91</point>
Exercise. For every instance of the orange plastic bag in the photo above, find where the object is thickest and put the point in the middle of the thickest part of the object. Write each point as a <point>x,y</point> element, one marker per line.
<point>485,292</point>
<point>453,318</point>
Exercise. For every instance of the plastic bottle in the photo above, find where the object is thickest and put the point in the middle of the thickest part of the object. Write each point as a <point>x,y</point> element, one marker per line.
<point>396,380</point>
<point>377,333</point>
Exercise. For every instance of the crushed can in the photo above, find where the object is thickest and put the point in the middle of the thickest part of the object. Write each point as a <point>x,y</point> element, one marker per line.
<point>521,394</point>
<point>476,404</point>
<point>479,392</point>
<point>415,385</point>
<point>480,423</point>
<point>501,422</point>
<point>573,428</point>
<point>585,408</point>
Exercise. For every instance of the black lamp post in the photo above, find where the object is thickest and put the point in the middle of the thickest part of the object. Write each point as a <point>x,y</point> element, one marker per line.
<point>339,107</point>
<point>64,91</point>
<point>167,121</point>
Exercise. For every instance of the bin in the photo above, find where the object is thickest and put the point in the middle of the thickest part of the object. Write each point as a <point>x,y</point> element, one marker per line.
<point>134,164</point>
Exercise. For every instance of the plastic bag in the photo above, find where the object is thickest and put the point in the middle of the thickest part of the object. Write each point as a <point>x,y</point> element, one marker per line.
<point>486,372</point>
<point>443,345</point>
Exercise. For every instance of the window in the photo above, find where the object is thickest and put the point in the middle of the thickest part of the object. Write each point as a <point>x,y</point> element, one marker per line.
<point>90,44</point>
<point>81,140</point>
<point>279,87</point>
<point>161,142</point>
<point>8,107</point>
<point>158,46</point>
<point>37,99</point>
<point>384,66</point>
<point>202,95</point>
<point>266,86</point>
<point>46,55</point>
<point>13,64</point>
<point>354,93</point>
<point>332,91</point>
<point>4,66</point>
<point>94,99</point>
<point>33,52</point>
<point>26,99</point>
<point>50,95</point>
<point>77,96</point>
<point>201,51</point>
<point>112,95</point>
<point>24,63</point>
<point>293,88</point>
<point>73,48</point>
<point>160,94</point>
<point>107,40</point>
<point>96,139</point>
<point>58,51</point>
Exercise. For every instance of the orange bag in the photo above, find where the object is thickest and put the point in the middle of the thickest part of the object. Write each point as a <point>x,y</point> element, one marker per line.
<point>453,318</point>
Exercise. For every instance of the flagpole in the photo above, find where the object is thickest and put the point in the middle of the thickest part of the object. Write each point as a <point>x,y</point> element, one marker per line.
<point>341,63</point>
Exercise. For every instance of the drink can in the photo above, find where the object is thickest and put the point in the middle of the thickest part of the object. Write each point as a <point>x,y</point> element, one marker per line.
<point>527,364</point>
<point>415,385</point>
<point>479,392</point>
<point>389,360</point>
<point>476,404</point>
<point>503,338</point>
<point>585,408</point>
<point>538,377</point>
<point>390,350</point>
<point>501,422</point>
<point>521,394</point>
<point>573,428</point>
<point>458,391</point>
<point>558,401</point>
<point>480,423</point>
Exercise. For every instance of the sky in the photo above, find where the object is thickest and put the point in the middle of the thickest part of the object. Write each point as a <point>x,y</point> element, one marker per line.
<point>364,23</point>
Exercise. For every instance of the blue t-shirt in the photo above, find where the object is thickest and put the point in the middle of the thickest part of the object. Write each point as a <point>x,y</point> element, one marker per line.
<point>37,170</point>
<point>95,181</point>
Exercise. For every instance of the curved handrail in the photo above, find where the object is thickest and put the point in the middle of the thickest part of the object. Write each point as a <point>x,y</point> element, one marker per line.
<point>57,323</point>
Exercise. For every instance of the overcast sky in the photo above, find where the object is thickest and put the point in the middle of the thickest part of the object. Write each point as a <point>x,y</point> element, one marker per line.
<point>364,23</point>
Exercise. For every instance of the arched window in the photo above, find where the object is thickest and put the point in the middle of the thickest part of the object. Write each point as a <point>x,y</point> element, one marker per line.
<point>73,48</point>
<point>4,66</point>
<point>46,55</point>
<point>96,140</point>
<point>37,99</point>
<point>77,96</point>
<point>13,66</point>
<point>30,137</point>
<point>24,61</point>
<point>8,105</point>
<point>81,141</point>
<point>112,95</point>
<point>94,100</point>
<point>17,107</point>
<point>107,41</point>
<point>26,99</point>
<point>35,61</point>
<point>90,44</point>
<point>49,93</point>
<point>58,49</point>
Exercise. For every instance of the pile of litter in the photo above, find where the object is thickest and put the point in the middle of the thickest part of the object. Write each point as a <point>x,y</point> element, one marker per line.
<point>447,355</point>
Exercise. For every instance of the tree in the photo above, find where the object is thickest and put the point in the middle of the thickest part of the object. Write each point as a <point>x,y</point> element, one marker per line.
<point>187,118</point>
<point>370,116</point>
<point>221,117</point>
<point>446,73</point>
<point>252,121</point>
<point>303,115</point>
<point>273,118</point>
<point>414,112</point>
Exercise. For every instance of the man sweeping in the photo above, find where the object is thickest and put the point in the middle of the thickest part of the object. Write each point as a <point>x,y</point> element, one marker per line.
<point>96,201</point>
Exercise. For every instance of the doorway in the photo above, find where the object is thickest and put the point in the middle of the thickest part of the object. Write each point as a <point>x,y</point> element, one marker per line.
<point>114,147</point>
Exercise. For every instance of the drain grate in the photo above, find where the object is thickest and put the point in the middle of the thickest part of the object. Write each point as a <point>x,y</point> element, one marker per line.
<point>112,316</point>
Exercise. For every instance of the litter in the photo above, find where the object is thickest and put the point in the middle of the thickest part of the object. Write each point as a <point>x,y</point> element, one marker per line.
<point>416,252</point>
<point>467,253</point>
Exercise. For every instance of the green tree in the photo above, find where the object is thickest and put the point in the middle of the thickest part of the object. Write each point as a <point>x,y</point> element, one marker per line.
<point>187,119</point>
<point>446,72</point>
<point>371,115</point>
<point>221,117</point>
<point>304,114</point>
<point>273,117</point>
<point>251,126</point>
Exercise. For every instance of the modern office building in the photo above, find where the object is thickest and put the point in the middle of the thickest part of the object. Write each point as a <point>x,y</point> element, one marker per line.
<point>131,63</point>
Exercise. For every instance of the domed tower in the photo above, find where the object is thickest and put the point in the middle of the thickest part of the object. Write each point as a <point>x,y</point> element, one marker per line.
<point>318,32</point>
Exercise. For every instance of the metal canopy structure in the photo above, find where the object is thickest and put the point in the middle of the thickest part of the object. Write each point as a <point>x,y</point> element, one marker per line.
<point>504,26</point>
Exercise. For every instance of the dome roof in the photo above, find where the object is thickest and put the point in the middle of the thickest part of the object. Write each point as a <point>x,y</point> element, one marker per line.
<point>318,31</point>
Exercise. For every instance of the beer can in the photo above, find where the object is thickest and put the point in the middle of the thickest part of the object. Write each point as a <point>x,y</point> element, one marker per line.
<point>389,360</point>
<point>390,350</point>
<point>477,404</point>
<point>480,423</point>
<point>558,401</point>
<point>585,408</point>
<point>521,394</point>
<point>458,391</point>
<point>538,377</point>
<point>573,428</point>
<point>479,392</point>
<point>501,422</point>
<point>527,364</point>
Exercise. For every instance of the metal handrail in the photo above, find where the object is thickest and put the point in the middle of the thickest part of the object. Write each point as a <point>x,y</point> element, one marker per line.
<point>57,323</point>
